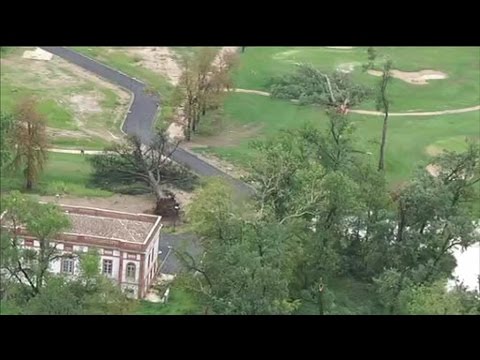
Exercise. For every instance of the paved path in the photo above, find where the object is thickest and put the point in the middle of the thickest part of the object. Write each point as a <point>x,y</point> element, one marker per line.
<point>142,113</point>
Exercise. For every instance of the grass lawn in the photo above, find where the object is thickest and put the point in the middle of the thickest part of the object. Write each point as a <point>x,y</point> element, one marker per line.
<point>180,303</point>
<point>461,64</point>
<point>248,116</point>
<point>82,111</point>
<point>63,174</point>
<point>127,63</point>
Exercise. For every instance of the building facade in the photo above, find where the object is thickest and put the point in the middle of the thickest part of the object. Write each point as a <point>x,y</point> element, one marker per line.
<point>127,244</point>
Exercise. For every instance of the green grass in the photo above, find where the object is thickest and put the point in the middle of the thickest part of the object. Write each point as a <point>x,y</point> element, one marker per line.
<point>63,174</point>
<point>461,64</point>
<point>180,303</point>
<point>128,64</point>
<point>53,84</point>
<point>407,140</point>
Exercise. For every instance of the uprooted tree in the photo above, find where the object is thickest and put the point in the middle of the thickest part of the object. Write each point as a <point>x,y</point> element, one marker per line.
<point>309,85</point>
<point>203,83</point>
<point>148,167</point>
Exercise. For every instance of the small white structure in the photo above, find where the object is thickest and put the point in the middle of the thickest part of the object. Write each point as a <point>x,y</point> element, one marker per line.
<point>37,54</point>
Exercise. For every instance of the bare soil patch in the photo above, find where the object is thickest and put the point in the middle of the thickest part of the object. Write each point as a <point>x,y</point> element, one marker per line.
<point>37,54</point>
<point>86,103</point>
<point>158,59</point>
<point>414,77</point>
<point>127,203</point>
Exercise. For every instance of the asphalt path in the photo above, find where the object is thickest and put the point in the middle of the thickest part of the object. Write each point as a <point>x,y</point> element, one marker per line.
<point>142,113</point>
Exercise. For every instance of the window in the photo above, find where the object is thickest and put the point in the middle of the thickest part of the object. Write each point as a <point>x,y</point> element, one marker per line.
<point>131,270</point>
<point>68,266</point>
<point>107,267</point>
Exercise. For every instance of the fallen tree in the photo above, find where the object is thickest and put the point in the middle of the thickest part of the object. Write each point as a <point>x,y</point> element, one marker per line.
<point>132,166</point>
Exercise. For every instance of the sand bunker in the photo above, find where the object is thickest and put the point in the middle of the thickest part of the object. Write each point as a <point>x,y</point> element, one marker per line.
<point>37,54</point>
<point>414,77</point>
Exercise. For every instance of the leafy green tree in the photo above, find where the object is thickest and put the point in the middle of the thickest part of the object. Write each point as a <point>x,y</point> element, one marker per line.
<point>246,265</point>
<point>382,100</point>
<point>6,149</point>
<point>43,222</point>
<point>435,299</point>
<point>29,141</point>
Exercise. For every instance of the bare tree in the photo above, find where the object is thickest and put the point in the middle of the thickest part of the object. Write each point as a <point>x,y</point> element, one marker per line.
<point>382,101</point>
<point>203,83</point>
<point>29,141</point>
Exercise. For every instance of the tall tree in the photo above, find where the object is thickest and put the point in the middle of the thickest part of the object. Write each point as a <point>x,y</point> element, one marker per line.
<point>43,221</point>
<point>29,140</point>
<point>435,299</point>
<point>204,80</point>
<point>246,265</point>
<point>382,101</point>
<point>150,165</point>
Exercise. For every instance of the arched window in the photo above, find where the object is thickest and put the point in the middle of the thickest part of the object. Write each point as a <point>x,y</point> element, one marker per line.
<point>131,269</point>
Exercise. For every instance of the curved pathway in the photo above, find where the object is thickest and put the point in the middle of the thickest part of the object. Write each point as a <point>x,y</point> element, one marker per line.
<point>378,113</point>
<point>142,113</point>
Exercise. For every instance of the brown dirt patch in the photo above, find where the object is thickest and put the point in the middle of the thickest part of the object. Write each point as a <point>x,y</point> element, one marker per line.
<point>127,203</point>
<point>414,77</point>
<point>141,204</point>
<point>86,103</point>
<point>158,59</point>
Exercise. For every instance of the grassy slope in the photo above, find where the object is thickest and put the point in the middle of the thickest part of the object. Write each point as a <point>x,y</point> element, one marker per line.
<point>461,89</point>
<point>53,98</point>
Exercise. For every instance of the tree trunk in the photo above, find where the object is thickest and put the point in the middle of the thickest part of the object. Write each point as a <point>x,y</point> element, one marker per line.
<point>187,129</point>
<point>29,184</point>
<point>320,300</point>
<point>162,199</point>
<point>243,49</point>
<point>381,161</point>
